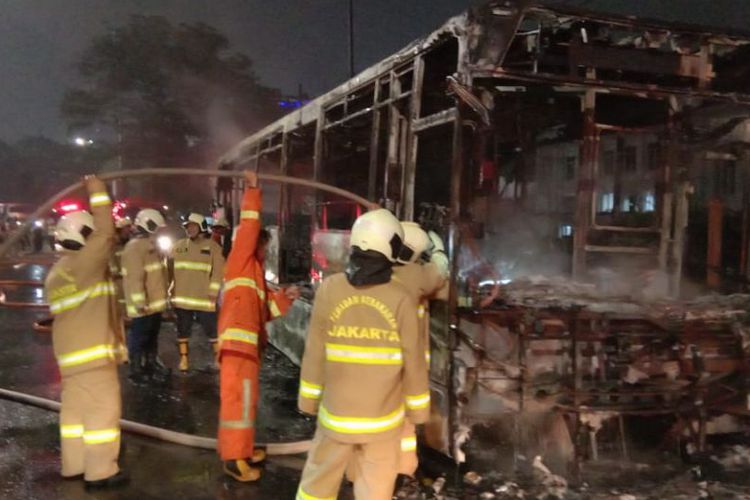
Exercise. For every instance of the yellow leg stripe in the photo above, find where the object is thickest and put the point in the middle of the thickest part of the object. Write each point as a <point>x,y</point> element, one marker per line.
<point>71,431</point>
<point>301,495</point>
<point>250,214</point>
<point>101,437</point>
<point>240,335</point>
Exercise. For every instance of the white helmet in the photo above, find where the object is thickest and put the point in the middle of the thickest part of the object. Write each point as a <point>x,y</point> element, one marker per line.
<point>195,218</point>
<point>149,220</point>
<point>416,242</point>
<point>220,222</point>
<point>380,231</point>
<point>74,228</point>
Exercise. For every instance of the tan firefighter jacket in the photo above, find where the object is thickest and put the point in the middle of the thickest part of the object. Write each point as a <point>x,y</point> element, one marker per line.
<point>115,270</point>
<point>144,278</point>
<point>364,370</point>
<point>198,272</point>
<point>423,282</point>
<point>87,331</point>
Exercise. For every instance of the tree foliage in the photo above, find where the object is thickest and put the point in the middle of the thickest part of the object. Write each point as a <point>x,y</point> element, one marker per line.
<point>167,95</point>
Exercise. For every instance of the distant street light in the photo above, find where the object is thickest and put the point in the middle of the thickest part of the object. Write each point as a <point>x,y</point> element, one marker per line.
<point>82,142</point>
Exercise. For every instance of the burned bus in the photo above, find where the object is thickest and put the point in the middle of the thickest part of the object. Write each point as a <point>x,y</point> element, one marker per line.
<point>589,175</point>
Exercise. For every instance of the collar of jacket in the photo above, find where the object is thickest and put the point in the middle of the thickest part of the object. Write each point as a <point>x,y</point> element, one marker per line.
<point>368,268</point>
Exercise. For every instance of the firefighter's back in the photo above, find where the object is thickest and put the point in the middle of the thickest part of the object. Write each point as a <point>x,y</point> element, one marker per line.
<point>364,394</point>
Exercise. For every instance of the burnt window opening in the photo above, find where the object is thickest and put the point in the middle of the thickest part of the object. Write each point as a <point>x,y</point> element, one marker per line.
<point>725,178</point>
<point>361,100</point>
<point>433,171</point>
<point>439,63</point>
<point>631,112</point>
<point>344,164</point>
<point>630,159</point>
<point>608,162</point>
<point>653,156</point>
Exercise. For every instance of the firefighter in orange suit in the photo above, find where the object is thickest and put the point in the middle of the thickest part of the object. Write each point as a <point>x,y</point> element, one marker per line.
<point>422,269</point>
<point>247,305</point>
<point>87,336</point>
<point>364,371</point>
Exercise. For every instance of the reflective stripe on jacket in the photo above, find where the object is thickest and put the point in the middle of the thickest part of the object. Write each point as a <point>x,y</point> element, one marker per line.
<point>247,303</point>
<point>87,331</point>
<point>144,278</point>
<point>364,370</point>
<point>198,271</point>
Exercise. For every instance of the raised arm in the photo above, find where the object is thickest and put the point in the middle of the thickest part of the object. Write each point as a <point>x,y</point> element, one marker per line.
<point>248,231</point>
<point>100,244</point>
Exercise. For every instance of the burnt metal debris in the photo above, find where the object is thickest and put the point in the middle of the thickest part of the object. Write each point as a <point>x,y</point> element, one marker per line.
<point>541,140</point>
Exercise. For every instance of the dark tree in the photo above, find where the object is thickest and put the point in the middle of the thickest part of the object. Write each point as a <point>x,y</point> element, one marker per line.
<point>167,95</point>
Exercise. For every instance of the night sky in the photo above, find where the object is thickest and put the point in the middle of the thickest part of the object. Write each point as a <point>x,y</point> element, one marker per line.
<point>291,41</point>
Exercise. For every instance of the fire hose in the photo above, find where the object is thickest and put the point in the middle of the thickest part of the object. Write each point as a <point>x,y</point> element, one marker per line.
<point>135,427</point>
<point>190,440</point>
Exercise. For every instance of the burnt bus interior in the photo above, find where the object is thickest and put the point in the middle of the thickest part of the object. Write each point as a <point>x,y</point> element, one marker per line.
<point>558,153</point>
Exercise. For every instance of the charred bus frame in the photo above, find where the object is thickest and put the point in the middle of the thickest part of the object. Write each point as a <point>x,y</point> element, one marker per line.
<point>414,131</point>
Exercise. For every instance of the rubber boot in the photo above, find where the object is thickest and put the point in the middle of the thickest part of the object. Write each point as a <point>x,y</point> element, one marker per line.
<point>241,471</point>
<point>136,373</point>
<point>184,348</point>
<point>117,481</point>
<point>156,369</point>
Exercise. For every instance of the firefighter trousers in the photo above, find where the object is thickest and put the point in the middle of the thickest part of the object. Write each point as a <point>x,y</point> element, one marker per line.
<point>143,337</point>
<point>375,467</point>
<point>186,318</point>
<point>90,423</point>
<point>239,387</point>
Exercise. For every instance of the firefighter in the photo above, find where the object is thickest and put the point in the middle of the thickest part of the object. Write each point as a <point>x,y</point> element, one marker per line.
<point>145,288</point>
<point>221,233</point>
<point>198,271</point>
<point>124,231</point>
<point>364,371</point>
<point>247,305</point>
<point>87,336</point>
<point>422,269</point>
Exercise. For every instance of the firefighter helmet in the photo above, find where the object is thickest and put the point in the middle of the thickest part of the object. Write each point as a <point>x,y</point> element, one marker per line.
<point>380,231</point>
<point>149,220</point>
<point>416,242</point>
<point>196,218</point>
<point>73,229</point>
<point>220,222</point>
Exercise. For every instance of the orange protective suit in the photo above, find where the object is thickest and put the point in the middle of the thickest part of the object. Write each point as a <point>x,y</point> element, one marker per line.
<point>246,307</point>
